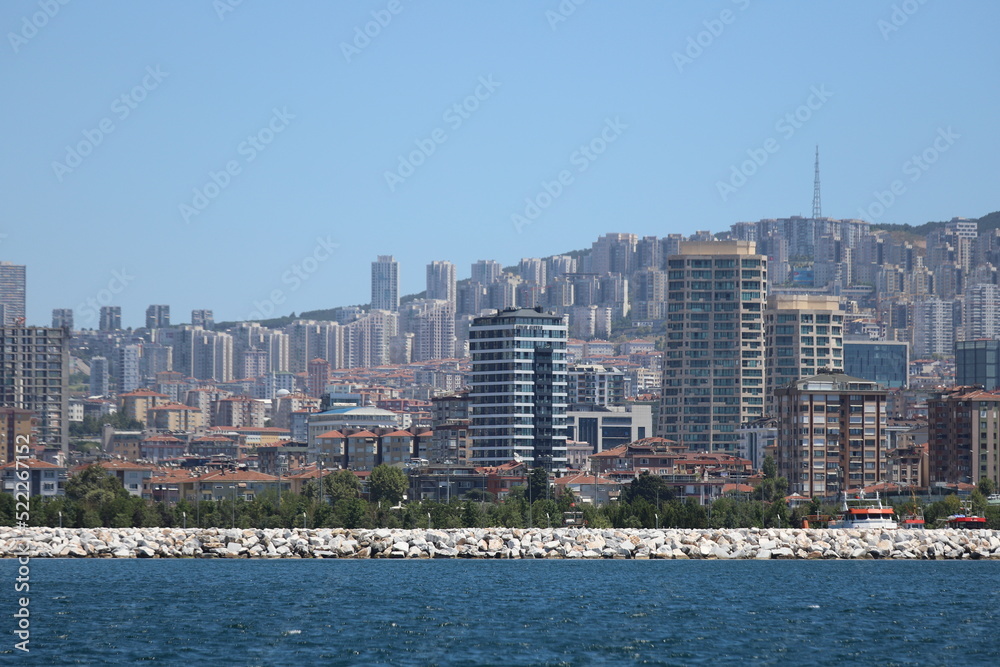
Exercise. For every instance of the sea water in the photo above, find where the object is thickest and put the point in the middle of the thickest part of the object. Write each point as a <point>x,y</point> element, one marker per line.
<point>489,612</point>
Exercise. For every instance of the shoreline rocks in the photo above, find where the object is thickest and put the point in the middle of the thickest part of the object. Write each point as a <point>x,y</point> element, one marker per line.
<point>523,543</point>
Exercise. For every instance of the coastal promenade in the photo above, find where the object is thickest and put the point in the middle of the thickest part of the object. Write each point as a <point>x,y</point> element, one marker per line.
<point>531,543</point>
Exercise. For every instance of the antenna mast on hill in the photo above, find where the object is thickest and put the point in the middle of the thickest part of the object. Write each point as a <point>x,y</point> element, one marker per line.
<point>817,208</point>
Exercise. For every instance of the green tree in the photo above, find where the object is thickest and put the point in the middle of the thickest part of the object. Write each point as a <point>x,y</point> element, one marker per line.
<point>770,468</point>
<point>650,488</point>
<point>94,486</point>
<point>986,486</point>
<point>342,485</point>
<point>472,515</point>
<point>538,484</point>
<point>387,483</point>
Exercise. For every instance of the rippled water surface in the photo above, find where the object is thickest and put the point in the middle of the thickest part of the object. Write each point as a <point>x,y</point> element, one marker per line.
<point>262,612</point>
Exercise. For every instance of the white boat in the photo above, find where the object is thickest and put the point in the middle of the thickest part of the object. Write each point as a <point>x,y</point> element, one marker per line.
<point>862,513</point>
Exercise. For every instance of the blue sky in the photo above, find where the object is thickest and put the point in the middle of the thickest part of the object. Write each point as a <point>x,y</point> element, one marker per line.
<point>251,141</point>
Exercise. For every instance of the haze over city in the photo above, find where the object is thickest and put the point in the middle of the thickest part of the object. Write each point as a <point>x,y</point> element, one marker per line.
<point>227,143</point>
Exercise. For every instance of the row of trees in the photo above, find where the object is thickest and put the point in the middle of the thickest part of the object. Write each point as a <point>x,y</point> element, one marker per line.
<point>95,498</point>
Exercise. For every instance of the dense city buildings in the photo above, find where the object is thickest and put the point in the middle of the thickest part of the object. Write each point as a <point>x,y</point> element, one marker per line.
<point>518,389</point>
<point>694,339</point>
<point>713,368</point>
<point>831,434</point>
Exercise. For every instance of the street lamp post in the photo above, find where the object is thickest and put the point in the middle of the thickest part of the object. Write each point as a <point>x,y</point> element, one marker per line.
<point>185,518</point>
<point>60,519</point>
<point>528,480</point>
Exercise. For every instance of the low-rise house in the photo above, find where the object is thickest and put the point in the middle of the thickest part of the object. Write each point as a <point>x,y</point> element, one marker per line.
<point>133,476</point>
<point>396,447</point>
<point>331,448</point>
<point>362,450</point>
<point>227,484</point>
<point>160,447</point>
<point>285,455</point>
<point>43,479</point>
<point>239,411</point>
<point>136,403</point>
<point>592,489</point>
<point>214,445</point>
<point>174,417</point>
<point>126,445</point>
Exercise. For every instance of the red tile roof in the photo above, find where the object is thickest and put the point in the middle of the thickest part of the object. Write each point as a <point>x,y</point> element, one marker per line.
<point>22,464</point>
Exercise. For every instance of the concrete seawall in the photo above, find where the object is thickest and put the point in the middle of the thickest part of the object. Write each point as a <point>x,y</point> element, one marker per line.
<point>571,543</point>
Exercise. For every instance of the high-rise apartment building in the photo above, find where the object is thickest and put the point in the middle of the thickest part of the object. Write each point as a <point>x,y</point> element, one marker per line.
<point>62,317</point>
<point>203,318</point>
<point>981,311</point>
<point>432,321</point>
<point>15,430</point>
<point>127,368</point>
<point>367,340</point>
<point>205,355</point>
<point>518,389</point>
<point>12,293</point>
<point>319,376</point>
<point>933,328</point>
<point>595,385</point>
<point>158,316</point>
<point>964,436</point>
<point>831,434</point>
<point>100,380</point>
<point>486,271</point>
<point>385,284</point>
<point>533,271</point>
<point>111,318</point>
<point>713,366</point>
<point>802,334</point>
<point>614,253</point>
<point>34,375</point>
<point>441,281</point>
<point>212,356</point>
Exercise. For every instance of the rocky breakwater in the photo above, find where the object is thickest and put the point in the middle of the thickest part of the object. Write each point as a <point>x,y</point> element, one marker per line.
<point>572,543</point>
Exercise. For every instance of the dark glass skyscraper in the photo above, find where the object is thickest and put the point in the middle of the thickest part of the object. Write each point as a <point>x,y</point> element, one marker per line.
<point>978,362</point>
<point>885,362</point>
